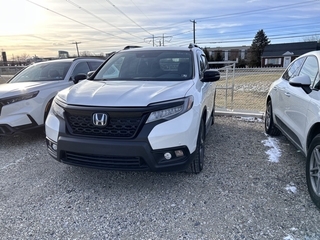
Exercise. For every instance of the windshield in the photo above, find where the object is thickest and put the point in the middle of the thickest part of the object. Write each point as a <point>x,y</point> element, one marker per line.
<point>171,65</point>
<point>46,71</point>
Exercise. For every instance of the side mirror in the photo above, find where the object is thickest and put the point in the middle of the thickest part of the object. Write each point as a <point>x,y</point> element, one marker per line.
<point>79,77</point>
<point>89,74</point>
<point>301,81</point>
<point>211,75</point>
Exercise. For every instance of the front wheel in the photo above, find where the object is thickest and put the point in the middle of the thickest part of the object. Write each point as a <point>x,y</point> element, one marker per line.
<point>196,165</point>
<point>313,170</point>
<point>269,125</point>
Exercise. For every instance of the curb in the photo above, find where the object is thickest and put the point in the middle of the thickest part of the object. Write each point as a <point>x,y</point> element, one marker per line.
<point>235,113</point>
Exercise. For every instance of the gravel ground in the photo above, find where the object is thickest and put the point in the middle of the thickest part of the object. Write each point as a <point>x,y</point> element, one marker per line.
<point>240,194</point>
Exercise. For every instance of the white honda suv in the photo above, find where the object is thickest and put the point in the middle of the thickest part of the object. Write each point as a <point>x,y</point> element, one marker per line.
<point>144,109</point>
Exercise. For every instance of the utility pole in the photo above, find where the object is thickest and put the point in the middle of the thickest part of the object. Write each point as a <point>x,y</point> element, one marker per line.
<point>156,39</point>
<point>194,30</point>
<point>76,43</point>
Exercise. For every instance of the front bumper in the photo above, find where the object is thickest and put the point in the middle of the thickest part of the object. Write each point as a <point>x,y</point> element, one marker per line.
<point>6,129</point>
<point>157,146</point>
<point>118,155</point>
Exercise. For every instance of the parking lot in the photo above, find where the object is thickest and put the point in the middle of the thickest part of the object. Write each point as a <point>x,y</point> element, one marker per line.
<point>249,189</point>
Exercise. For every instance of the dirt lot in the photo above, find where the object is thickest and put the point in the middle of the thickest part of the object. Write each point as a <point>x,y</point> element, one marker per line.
<point>242,193</point>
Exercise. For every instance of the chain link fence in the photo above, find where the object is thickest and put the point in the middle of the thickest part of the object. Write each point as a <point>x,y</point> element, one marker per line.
<point>244,89</point>
<point>239,89</point>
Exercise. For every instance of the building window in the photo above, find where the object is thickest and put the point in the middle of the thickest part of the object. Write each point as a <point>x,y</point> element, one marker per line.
<point>272,62</point>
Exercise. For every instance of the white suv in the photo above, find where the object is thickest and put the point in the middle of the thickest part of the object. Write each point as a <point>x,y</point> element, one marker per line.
<point>144,109</point>
<point>26,98</point>
<point>293,108</point>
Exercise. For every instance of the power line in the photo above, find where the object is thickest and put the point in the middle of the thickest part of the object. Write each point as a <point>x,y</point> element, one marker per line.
<point>140,10</point>
<point>128,17</point>
<point>112,25</point>
<point>77,21</point>
<point>260,10</point>
<point>159,39</point>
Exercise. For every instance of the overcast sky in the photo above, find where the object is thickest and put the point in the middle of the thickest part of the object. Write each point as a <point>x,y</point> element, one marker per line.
<point>43,27</point>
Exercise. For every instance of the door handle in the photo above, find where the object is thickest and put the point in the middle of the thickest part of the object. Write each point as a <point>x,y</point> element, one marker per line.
<point>287,94</point>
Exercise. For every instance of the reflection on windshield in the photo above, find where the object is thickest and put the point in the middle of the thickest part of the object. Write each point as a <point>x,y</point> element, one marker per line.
<point>50,71</point>
<point>148,65</point>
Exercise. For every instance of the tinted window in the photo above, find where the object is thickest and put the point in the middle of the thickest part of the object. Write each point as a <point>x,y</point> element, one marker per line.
<point>149,65</point>
<point>293,69</point>
<point>81,68</point>
<point>310,68</point>
<point>93,65</point>
<point>46,71</point>
<point>203,63</point>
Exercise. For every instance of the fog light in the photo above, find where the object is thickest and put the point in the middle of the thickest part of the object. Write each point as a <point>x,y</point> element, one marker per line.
<point>179,153</point>
<point>167,156</point>
<point>54,146</point>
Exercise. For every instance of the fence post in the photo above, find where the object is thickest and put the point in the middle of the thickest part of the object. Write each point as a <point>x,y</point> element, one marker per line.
<point>232,66</point>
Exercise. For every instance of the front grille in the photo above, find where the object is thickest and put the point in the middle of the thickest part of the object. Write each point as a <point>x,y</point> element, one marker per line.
<point>104,161</point>
<point>117,126</point>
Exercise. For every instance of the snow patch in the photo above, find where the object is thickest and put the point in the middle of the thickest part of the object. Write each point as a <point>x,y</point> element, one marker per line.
<point>291,188</point>
<point>274,152</point>
<point>289,237</point>
<point>251,119</point>
<point>248,119</point>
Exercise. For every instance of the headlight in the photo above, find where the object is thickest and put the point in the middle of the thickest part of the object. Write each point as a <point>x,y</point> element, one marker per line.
<point>172,112</point>
<point>18,98</point>
<point>57,109</point>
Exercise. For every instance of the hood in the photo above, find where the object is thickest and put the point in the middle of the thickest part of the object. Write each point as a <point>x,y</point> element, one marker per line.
<point>124,93</point>
<point>12,89</point>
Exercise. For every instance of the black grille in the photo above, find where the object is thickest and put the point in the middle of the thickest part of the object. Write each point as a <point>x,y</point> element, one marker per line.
<point>105,162</point>
<point>117,127</point>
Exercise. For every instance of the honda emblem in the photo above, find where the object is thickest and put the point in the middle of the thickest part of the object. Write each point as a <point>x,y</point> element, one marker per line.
<point>100,119</point>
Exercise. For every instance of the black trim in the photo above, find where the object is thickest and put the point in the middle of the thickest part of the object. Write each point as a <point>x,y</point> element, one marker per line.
<point>117,154</point>
<point>138,114</point>
<point>288,132</point>
<point>6,129</point>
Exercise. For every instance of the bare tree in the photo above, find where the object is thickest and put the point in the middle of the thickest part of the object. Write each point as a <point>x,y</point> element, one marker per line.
<point>314,38</point>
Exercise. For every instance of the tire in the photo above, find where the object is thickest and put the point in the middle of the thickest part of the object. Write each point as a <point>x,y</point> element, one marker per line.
<point>269,125</point>
<point>196,165</point>
<point>313,170</point>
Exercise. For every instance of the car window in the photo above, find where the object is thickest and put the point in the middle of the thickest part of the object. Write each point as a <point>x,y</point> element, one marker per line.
<point>149,65</point>
<point>46,71</point>
<point>311,69</point>
<point>81,68</point>
<point>93,65</point>
<point>293,69</point>
<point>203,63</point>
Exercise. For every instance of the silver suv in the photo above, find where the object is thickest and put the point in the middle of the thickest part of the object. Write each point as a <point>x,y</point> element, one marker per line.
<point>25,99</point>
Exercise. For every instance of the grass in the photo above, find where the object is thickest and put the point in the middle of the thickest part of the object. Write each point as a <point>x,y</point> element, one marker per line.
<point>250,91</point>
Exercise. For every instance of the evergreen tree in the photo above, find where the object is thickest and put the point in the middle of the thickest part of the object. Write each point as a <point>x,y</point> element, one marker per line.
<point>259,42</point>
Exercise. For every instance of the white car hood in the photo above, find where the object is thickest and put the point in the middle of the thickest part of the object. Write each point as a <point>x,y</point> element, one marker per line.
<point>13,89</point>
<point>124,93</point>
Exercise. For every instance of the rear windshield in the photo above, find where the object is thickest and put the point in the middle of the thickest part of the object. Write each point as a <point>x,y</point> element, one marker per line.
<point>148,65</point>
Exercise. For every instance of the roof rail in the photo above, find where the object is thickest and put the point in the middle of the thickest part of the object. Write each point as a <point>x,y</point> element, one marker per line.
<point>192,45</point>
<point>129,47</point>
